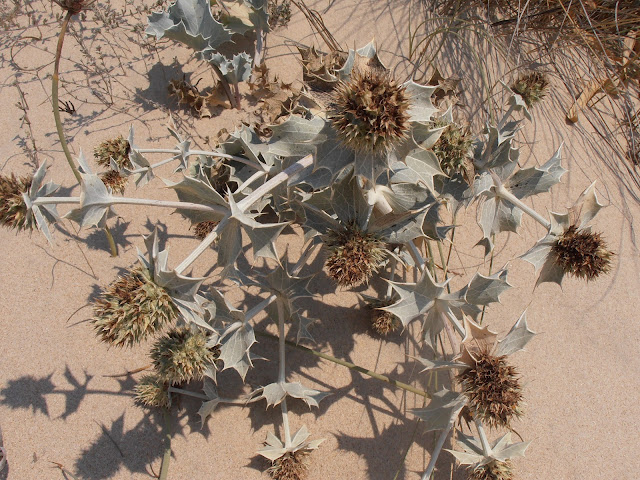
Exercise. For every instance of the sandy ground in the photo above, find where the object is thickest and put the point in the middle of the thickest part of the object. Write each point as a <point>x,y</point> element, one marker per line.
<point>59,399</point>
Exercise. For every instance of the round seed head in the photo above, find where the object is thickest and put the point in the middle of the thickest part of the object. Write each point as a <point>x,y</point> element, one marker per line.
<point>291,466</point>
<point>354,255</point>
<point>202,229</point>
<point>117,148</point>
<point>182,355</point>
<point>493,389</point>
<point>383,322</point>
<point>74,6</point>
<point>116,182</point>
<point>152,391</point>
<point>532,87</point>
<point>494,470</point>
<point>131,309</point>
<point>370,112</point>
<point>582,253</point>
<point>13,209</point>
<point>452,149</point>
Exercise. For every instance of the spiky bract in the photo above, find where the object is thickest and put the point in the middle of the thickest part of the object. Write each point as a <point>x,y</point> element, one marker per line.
<point>117,148</point>
<point>291,466</point>
<point>370,112</point>
<point>493,389</point>
<point>494,470</point>
<point>116,182</point>
<point>532,87</point>
<point>382,321</point>
<point>13,209</point>
<point>202,229</point>
<point>182,355</point>
<point>131,309</point>
<point>152,391</point>
<point>452,149</point>
<point>354,254</point>
<point>582,253</point>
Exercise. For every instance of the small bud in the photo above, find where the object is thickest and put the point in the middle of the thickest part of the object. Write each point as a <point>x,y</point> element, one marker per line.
<point>354,255</point>
<point>13,209</point>
<point>182,355</point>
<point>131,309</point>
<point>582,253</point>
<point>532,87</point>
<point>291,466</point>
<point>152,391</point>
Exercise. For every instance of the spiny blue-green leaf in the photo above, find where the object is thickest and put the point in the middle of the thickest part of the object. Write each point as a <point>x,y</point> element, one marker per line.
<point>422,108</point>
<point>517,338</point>
<point>442,411</point>
<point>532,181</point>
<point>199,191</point>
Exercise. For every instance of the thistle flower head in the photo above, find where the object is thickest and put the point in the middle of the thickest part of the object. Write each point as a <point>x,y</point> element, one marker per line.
<point>116,182</point>
<point>202,229</point>
<point>494,470</point>
<point>152,391</point>
<point>290,466</point>
<point>452,149</point>
<point>492,387</point>
<point>13,209</point>
<point>582,253</point>
<point>74,6</point>
<point>354,254</point>
<point>370,112</point>
<point>382,321</point>
<point>532,87</point>
<point>117,148</point>
<point>182,355</point>
<point>131,309</point>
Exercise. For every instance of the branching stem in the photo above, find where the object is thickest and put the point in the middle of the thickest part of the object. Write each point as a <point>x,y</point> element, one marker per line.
<point>436,453</point>
<point>501,191</point>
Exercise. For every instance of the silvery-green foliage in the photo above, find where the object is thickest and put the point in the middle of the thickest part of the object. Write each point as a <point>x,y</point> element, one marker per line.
<point>442,411</point>
<point>501,450</point>
<point>41,215</point>
<point>275,449</point>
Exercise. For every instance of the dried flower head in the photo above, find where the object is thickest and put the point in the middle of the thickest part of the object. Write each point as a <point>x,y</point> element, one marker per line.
<point>116,182</point>
<point>279,13</point>
<point>202,229</point>
<point>152,391</point>
<point>132,308</point>
<point>354,254</point>
<point>494,470</point>
<point>382,321</point>
<point>74,6</point>
<point>532,87</point>
<point>290,466</point>
<point>182,355</point>
<point>582,253</point>
<point>117,148</point>
<point>13,209</point>
<point>452,149</point>
<point>370,112</point>
<point>492,387</point>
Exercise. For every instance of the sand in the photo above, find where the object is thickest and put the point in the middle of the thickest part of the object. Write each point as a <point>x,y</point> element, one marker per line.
<point>62,403</point>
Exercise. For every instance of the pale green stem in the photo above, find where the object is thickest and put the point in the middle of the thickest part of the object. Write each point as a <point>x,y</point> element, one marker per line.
<point>206,153</point>
<point>392,275</point>
<point>502,192</point>
<point>506,116</point>
<point>136,201</point>
<point>166,458</point>
<point>436,452</point>
<point>251,180</point>
<point>202,396</point>
<point>303,258</point>
<point>260,307</point>
<point>486,448</point>
<point>282,376</point>
<point>417,257</point>
<point>351,366</point>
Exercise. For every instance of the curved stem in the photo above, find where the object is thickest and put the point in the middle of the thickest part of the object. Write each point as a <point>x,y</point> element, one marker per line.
<point>55,99</point>
<point>352,366</point>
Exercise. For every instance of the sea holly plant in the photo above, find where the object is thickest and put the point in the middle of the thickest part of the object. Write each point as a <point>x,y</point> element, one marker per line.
<point>365,176</point>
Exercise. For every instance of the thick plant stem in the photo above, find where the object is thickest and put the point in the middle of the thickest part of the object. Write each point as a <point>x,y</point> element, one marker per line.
<point>352,366</point>
<point>282,376</point>
<point>486,448</point>
<point>502,192</point>
<point>166,458</point>
<point>54,96</point>
<point>436,453</point>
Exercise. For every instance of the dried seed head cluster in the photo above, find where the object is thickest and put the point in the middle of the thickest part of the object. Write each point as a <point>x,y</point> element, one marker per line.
<point>116,182</point>
<point>13,209</point>
<point>152,391</point>
<point>74,6</point>
<point>370,112</point>
<point>279,13</point>
<point>132,308</point>
<point>582,253</point>
<point>182,355</point>
<point>494,470</point>
<point>493,389</point>
<point>452,149</point>
<point>383,322</point>
<point>117,148</point>
<point>202,229</point>
<point>532,87</point>
<point>291,466</point>
<point>354,254</point>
